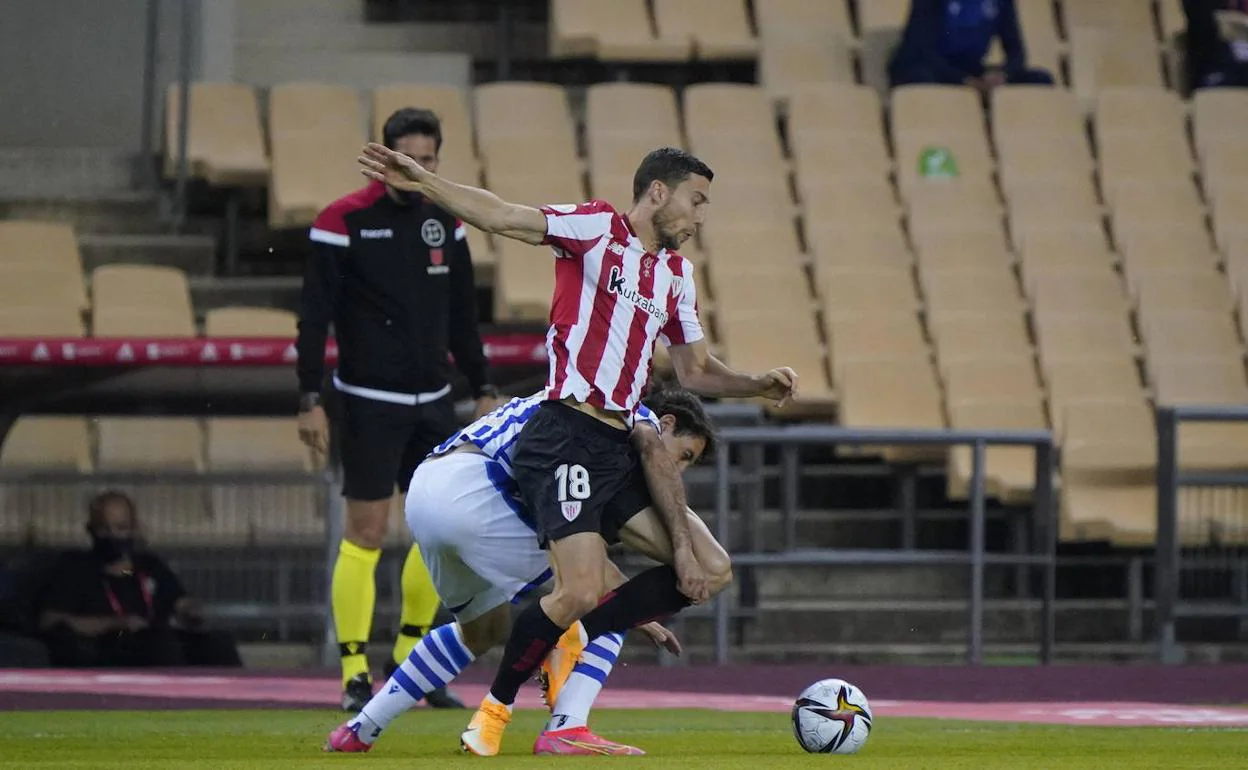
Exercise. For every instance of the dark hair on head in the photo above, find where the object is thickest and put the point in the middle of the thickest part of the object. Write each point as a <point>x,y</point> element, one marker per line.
<point>412,120</point>
<point>686,407</point>
<point>668,165</point>
<point>100,503</point>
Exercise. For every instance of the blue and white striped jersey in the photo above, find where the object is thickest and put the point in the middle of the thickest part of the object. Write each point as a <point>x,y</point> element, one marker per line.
<point>495,433</point>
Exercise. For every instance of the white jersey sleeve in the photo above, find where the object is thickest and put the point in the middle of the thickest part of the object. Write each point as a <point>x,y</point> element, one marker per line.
<point>684,327</point>
<point>573,229</point>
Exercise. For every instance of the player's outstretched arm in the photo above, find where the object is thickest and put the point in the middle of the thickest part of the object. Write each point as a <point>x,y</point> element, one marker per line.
<point>706,375</point>
<point>480,208</point>
<point>667,491</point>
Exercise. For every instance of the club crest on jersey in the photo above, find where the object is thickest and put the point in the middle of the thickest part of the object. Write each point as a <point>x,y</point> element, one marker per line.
<point>433,233</point>
<point>571,509</point>
<point>678,285</point>
<point>617,285</point>
<point>646,265</point>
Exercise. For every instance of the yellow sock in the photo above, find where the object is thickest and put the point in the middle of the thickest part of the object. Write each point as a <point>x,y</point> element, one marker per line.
<point>420,605</point>
<point>353,595</point>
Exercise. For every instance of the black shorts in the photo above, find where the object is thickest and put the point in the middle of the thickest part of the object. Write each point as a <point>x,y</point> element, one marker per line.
<point>577,474</point>
<point>382,443</point>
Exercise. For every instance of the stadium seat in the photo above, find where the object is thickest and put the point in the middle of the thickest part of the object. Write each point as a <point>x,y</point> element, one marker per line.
<point>790,58</point>
<point>890,394</point>
<point>1011,379</point>
<point>524,281</point>
<point>538,111</point>
<point>974,291</point>
<point>969,151</point>
<point>1031,111</point>
<point>1009,471</point>
<point>720,29</point>
<point>829,19</point>
<point>861,203</point>
<point>31,286</point>
<point>309,123</point>
<point>823,158</point>
<point>1219,115</point>
<point>883,335</point>
<point>1102,58</point>
<point>149,444</point>
<point>965,249</point>
<point>451,107</point>
<point>853,291</point>
<point>1134,110</point>
<point>836,108</point>
<point>553,183</point>
<point>255,443</point>
<point>1050,158</point>
<point>1039,29</point>
<point>1166,251</point>
<point>881,23</point>
<point>761,340</point>
<point>1223,166</point>
<point>141,300</point>
<point>751,250</point>
<point>1108,15</point>
<point>40,265</point>
<point>721,115</point>
<point>250,322</point>
<point>1199,381</point>
<point>1054,295</point>
<point>1180,334</point>
<point>1145,157</point>
<point>1056,199</point>
<point>783,284</point>
<point>41,321</point>
<point>621,33</point>
<point>941,109</point>
<point>848,246</point>
<point>1165,292</point>
<point>1091,381</point>
<point>942,207</point>
<point>224,143</point>
<point>48,444</point>
<point>1086,338</point>
<point>1056,249</point>
<point>975,336</point>
<point>616,111</point>
<point>1229,224</point>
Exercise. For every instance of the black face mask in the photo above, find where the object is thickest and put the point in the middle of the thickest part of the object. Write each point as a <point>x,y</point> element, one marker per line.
<point>110,549</point>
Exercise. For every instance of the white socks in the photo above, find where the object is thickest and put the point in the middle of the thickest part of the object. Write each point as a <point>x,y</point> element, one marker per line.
<point>582,688</point>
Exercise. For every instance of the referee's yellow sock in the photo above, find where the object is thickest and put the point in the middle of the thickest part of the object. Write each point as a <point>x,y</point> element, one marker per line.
<point>353,594</point>
<point>420,604</point>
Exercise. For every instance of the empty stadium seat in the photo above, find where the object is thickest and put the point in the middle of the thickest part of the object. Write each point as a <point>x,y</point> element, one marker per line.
<point>149,444</point>
<point>830,158</point>
<point>1223,166</point>
<point>524,282</point>
<point>1078,294</point>
<point>1146,157</point>
<point>1129,15</point>
<point>1011,379</point>
<point>974,336</point>
<point>890,394</point>
<point>224,143</point>
<point>974,291</point>
<point>963,249</point>
<point>785,283</point>
<point>1048,158</point>
<point>1199,291</point>
<point>1104,58</point>
<point>740,113</point>
<point>884,335</point>
<point>48,444</point>
<point>1029,110</point>
<point>790,58</point>
<point>852,291</point>
<point>141,300</point>
<point>255,444</point>
<point>1199,381</point>
<point>720,29</point>
<point>832,202</point>
<point>250,322</point>
<point>1184,333</point>
<point>1078,337</point>
<point>764,339</point>
<point>43,321</point>
<point>1091,381</point>
<point>506,110</point>
<point>581,29</point>
<point>912,146</point>
<point>1060,249</point>
<point>829,19</point>
<point>1134,110</point>
<point>849,246</point>
<point>1229,225</point>
<point>1219,115</point>
<point>1009,471</point>
<point>1039,30</point>
<point>30,286</point>
<point>40,266</point>
<point>937,108</point>
<point>836,108</point>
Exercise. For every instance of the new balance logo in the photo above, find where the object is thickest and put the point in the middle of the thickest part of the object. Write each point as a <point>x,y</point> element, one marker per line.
<point>615,247</point>
<point>377,234</point>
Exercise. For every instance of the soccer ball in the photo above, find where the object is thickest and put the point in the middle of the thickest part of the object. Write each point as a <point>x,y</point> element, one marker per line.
<point>832,717</point>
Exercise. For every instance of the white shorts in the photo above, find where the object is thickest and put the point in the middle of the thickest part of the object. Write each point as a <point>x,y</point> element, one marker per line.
<point>473,534</point>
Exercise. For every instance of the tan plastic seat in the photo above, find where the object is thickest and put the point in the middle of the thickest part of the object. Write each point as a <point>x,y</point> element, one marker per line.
<point>790,58</point>
<point>1199,381</point>
<point>448,102</point>
<point>41,321</point>
<point>973,336</point>
<point>937,108</point>
<point>731,109</point>
<point>1219,115</point>
<point>1194,333</point>
<point>47,443</point>
<point>1138,110</point>
<point>1092,381</point>
<point>31,286</point>
<point>307,174</point>
<point>849,291</point>
<point>1052,158</point>
<point>550,184</point>
<point>250,322</point>
<point>720,29</point>
<point>785,286</point>
<point>749,247</point>
<point>224,143</point>
<point>1105,58</point>
<point>580,29</point>
<point>828,19</point>
<point>1029,111</point>
<point>969,151</point>
<point>141,300</point>
<point>1168,251</point>
<point>973,291</point>
<point>881,336</point>
<point>255,443</point>
<point>521,109</point>
<point>827,158</point>
<point>149,444</point>
<point>736,200</point>
<point>890,394</point>
<point>755,341</point>
<point>1053,198</point>
<point>1109,15</point>
<point>45,253</point>
<point>524,281</point>
<point>969,249</point>
<point>1228,215</point>
<point>980,380</point>
<point>835,246</point>
<point>1084,337</point>
<point>1009,471</point>
<point>846,202</point>
<point>631,109</point>
<point>835,108</point>
<point>1078,294</point>
<point>1147,157</point>
<point>1062,243</point>
<point>1223,168</point>
<point>881,23</point>
<point>1206,292</point>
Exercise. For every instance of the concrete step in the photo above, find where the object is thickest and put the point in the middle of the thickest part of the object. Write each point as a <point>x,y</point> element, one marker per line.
<point>66,172</point>
<point>116,213</point>
<point>346,36</point>
<point>360,69</point>
<point>195,254</point>
<point>860,582</point>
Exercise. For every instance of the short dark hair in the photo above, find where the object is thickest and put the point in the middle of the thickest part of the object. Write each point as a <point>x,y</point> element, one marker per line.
<point>100,503</point>
<point>412,120</point>
<point>669,165</point>
<point>686,407</point>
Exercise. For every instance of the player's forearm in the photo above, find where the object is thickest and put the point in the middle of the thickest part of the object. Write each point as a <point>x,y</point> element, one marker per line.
<point>480,208</point>
<point>717,380</point>
<point>667,489</point>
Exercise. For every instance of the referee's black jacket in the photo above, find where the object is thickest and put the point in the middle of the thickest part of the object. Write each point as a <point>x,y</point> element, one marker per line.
<point>396,280</point>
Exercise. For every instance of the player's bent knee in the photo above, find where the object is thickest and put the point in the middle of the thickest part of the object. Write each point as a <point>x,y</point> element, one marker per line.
<point>718,566</point>
<point>571,602</point>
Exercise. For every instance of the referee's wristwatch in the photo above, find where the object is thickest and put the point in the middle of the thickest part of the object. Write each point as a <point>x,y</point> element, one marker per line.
<point>309,401</point>
<point>488,391</point>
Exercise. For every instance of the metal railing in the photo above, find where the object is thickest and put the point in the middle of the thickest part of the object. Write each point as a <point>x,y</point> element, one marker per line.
<point>976,557</point>
<point>1171,605</point>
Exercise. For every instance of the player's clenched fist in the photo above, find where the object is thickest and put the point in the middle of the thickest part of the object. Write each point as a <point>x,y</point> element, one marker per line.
<point>780,385</point>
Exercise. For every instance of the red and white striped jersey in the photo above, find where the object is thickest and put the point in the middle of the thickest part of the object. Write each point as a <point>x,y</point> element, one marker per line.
<point>612,300</point>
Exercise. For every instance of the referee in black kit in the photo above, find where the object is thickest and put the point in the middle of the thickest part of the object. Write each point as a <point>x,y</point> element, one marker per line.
<point>393,273</point>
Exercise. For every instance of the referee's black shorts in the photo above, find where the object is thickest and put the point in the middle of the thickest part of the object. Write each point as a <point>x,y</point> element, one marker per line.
<point>382,443</point>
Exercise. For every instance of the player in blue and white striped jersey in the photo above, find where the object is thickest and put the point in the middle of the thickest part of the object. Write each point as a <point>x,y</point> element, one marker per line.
<point>481,547</point>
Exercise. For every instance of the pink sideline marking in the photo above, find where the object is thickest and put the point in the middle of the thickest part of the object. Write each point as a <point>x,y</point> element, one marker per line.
<point>324,691</point>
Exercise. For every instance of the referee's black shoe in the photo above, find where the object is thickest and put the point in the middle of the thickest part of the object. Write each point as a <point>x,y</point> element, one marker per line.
<point>440,698</point>
<point>359,691</point>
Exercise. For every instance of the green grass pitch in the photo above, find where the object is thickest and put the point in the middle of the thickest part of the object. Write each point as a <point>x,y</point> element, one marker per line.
<point>674,739</point>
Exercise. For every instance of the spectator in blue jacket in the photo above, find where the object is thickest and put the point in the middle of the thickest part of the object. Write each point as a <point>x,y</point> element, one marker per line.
<point>946,41</point>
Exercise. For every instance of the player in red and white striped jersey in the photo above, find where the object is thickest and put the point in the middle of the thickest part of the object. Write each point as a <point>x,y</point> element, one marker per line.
<point>619,287</point>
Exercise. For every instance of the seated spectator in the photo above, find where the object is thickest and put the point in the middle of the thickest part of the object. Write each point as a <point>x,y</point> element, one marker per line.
<point>117,605</point>
<point>1217,43</point>
<point>946,41</point>
<point>17,648</point>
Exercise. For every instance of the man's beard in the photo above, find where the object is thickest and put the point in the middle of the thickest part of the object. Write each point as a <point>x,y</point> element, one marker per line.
<point>666,238</point>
